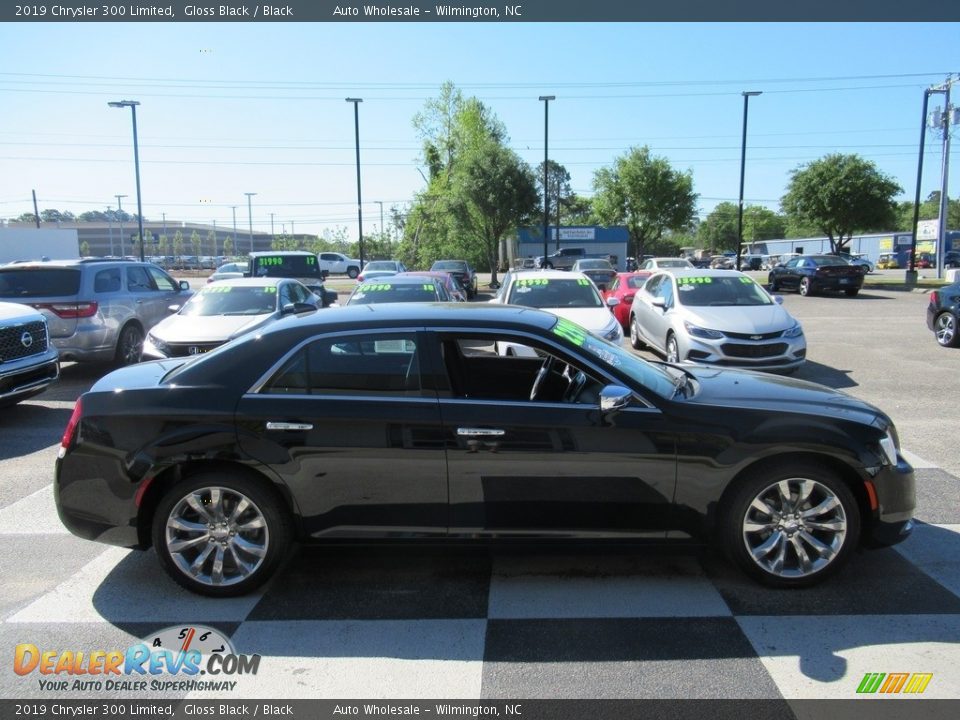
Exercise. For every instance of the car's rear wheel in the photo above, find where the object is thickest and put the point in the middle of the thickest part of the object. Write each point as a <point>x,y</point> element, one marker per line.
<point>945,330</point>
<point>806,287</point>
<point>791,525</point>
<point>219,534</point>
<point>774,285</point>
<point>635,341</point>
<point>129,345</point>
<point>352,272</point>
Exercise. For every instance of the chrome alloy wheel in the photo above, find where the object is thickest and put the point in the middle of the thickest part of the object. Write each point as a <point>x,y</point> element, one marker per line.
<point>794,528</point>
<point>216,536</point>
<point>945,328</point>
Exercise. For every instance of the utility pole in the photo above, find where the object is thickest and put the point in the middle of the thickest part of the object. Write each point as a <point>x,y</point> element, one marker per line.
<point>120,216</point>
<point>271,226</point>
<point>946,119</point>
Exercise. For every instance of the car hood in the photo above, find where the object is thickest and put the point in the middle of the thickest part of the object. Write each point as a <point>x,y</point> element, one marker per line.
<point>593,319</point>
<point>206,329</point>
<point>746,319</point>
<point>16,311</point>
<point>745,389</point>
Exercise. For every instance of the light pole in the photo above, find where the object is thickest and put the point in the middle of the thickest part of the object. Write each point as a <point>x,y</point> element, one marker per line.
<point>747,94</point>
<point>132,104</point>
<point>382,232</point>
<point>236,243</point>
<point>250,216</point>
<point>546,195</point>
<point>356,127</point>
<point>271,225</point>
<point>110,224</point>
<point>120,218</point>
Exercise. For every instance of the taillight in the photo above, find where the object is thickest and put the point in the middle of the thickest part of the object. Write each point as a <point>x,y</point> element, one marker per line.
<point>934,298</point>
<point>628,298</point>
<point>70,310</point>
<point>360,277</point>
<point>69,435</point>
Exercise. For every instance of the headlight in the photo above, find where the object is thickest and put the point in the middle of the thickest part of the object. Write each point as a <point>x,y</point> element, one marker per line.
<point>889,446</point>
<point>795,331</point>
<point>613,332</point>
<point>158,343</point>
<point>700,332</point>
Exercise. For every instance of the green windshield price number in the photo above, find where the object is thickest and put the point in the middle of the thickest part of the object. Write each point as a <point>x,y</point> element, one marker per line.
<point>531,282</point>
<point>695,280</point>
<point>379,287</point>
<point>270,289</point>
<point>569,331</point>
<point>583,281</point>
<point>746,280</point>
<point>217,289</point>
<point>428,287</point>
<point>276,261</point>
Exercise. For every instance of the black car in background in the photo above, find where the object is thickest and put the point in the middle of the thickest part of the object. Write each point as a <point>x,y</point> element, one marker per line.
<point>461,270</point>
<point>943,315</point>
<point>400,422</point>
<point>399,288</point>
<point>294,264</point>
<point>811,274</point>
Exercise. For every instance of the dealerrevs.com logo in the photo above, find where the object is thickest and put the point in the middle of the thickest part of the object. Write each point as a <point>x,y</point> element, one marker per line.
<point>182,651</point>
<point>894,683</point>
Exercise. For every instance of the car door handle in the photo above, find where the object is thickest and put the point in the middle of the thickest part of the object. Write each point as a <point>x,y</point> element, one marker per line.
<point>271,425</point>
<point>480,432</point>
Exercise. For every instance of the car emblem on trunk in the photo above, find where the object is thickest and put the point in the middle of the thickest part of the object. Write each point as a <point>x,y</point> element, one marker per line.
<point>194,350</point>
<point>26,339</point>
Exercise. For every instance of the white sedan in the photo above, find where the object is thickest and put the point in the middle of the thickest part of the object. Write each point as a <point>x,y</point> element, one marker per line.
<point>715,317</point>
<point>570,295</point>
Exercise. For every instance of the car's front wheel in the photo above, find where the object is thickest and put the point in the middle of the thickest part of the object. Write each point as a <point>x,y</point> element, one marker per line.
<point>791,525</point>
<point>945,330</point>
<point>352,272</point>
<point>774,285</point>
<point>806,287</point>
<point>673,349</point>
<point>220,534</point>
<point>635,341</point>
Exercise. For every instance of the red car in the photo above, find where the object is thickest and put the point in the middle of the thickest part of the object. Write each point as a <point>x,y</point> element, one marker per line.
<point>623,287</point>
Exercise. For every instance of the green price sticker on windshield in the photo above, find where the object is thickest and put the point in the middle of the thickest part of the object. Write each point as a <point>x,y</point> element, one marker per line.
<point>217,289</point>
<point>428,287</point>
<point>583,281</point>
<point>694,280</point>
<point>530,282</point>
<point>376,287</point>
<point>570,331</point>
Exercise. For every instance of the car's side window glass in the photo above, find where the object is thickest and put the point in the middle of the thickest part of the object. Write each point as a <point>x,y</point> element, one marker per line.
<point>653,286</point>
<point>138,280</point>
<point>373,365</point>
<point>490,369</point>
<point>792,263</point>
<point>164,282</point>
<point>107,281</point>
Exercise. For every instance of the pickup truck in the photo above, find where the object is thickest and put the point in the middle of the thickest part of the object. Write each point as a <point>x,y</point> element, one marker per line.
<point>336,264</point>
<point>564,258</point>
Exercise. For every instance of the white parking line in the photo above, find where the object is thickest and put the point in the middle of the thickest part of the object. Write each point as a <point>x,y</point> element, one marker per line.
<point>916,460</point>
<point>36,514</point>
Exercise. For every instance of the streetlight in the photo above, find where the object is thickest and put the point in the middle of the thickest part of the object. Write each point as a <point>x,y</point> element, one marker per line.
<point>120,217</point>
<point>546,195</point>
<point>356,126</point>
<point>132,104</point>
<point>378,202</point>
<point>250,217</point>
<point>747,94</point>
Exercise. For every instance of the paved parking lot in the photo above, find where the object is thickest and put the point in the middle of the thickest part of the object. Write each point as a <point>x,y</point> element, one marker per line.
<point>466,623</point>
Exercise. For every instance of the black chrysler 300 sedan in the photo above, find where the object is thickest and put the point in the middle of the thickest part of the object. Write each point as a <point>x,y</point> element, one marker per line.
<point>402,422</point>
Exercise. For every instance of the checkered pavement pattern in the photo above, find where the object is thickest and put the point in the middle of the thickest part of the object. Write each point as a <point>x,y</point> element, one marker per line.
<point>401,622</point>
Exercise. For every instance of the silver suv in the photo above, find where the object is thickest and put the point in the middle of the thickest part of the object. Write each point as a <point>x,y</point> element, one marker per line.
<point>96,310</point>
<point>28,362</point>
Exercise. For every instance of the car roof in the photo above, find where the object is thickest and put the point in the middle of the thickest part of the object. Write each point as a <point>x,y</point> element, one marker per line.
<point>428,314</point>
<point>398,278</point>
<point>250,282</point>
<point>260,253</point>
<point>546,274</point>
<point>699,272</point>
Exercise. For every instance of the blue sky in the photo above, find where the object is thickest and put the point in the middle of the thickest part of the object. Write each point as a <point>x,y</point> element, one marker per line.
<point>233,108</point>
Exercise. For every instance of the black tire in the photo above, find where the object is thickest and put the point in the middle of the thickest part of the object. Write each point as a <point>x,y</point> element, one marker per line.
<point>806,287</point>
<point>945,330</point>
<point>758,541</point>
<point>852,292</point>
<point>548,266</point>
<point>772,281</point>
<point>129,345</point>
<point>252,542</point>
<point>352,272</point>
<point>635,340</point>
<point>671,347</point>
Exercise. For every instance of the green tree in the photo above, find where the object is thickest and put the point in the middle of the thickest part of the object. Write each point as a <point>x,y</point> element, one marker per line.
<point>84,249</point>
<point>195,243</point>
<point>841,195</point>
<point>177,244</point>
<point>760,223</point>
<point>929,210</point>
<point>645,194</point>
<point>718,231</point>
<point>26,218</point>
<point>228,246</point>
<point>51,215</point>
<point>163,246</point>
<point>577,210</point>
<point>212,243</point>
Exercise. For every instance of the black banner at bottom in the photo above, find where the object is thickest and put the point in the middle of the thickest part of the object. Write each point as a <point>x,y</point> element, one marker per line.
<point>875,708</point>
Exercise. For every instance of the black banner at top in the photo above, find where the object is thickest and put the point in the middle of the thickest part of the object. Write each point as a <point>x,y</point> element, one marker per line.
<point>486,12</point>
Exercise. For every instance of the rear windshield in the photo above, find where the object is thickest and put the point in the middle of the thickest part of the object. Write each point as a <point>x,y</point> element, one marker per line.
<point>287,266</point>
<point>824,260</point>
<point>453,265</point>
<point>19,283</point>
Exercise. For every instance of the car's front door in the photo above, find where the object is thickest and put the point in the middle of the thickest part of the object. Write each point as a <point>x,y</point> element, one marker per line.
<point>550,466</point>
<point>351,431</point>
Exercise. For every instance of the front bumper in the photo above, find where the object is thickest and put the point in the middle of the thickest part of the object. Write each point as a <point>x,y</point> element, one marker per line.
<point>896,500</point>
<point>23,378</point>
<point>773,354</point>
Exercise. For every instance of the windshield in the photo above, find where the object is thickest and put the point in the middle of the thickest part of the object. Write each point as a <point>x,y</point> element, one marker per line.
<point>380,265</point>
<point>450,265</point>
<point>700,291</point>
<point>232,300</point>
<point>823,260</point>
<point>594,265</point>
<point>287,266</point>
<point>393,292</point>
<point>554,293</point>
<point>672,263</point>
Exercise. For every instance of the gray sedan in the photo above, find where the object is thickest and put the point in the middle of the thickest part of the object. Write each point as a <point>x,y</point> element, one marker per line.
<point>715,317</point>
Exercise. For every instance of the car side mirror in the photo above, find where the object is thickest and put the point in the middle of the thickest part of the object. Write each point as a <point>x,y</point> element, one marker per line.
<point>778,299</point>
<point>173,308</point>
<point>297,308</point>
<point>184,285</point>
<point>660,303</point>
<point>614,398</point>
<point>613,301</point>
